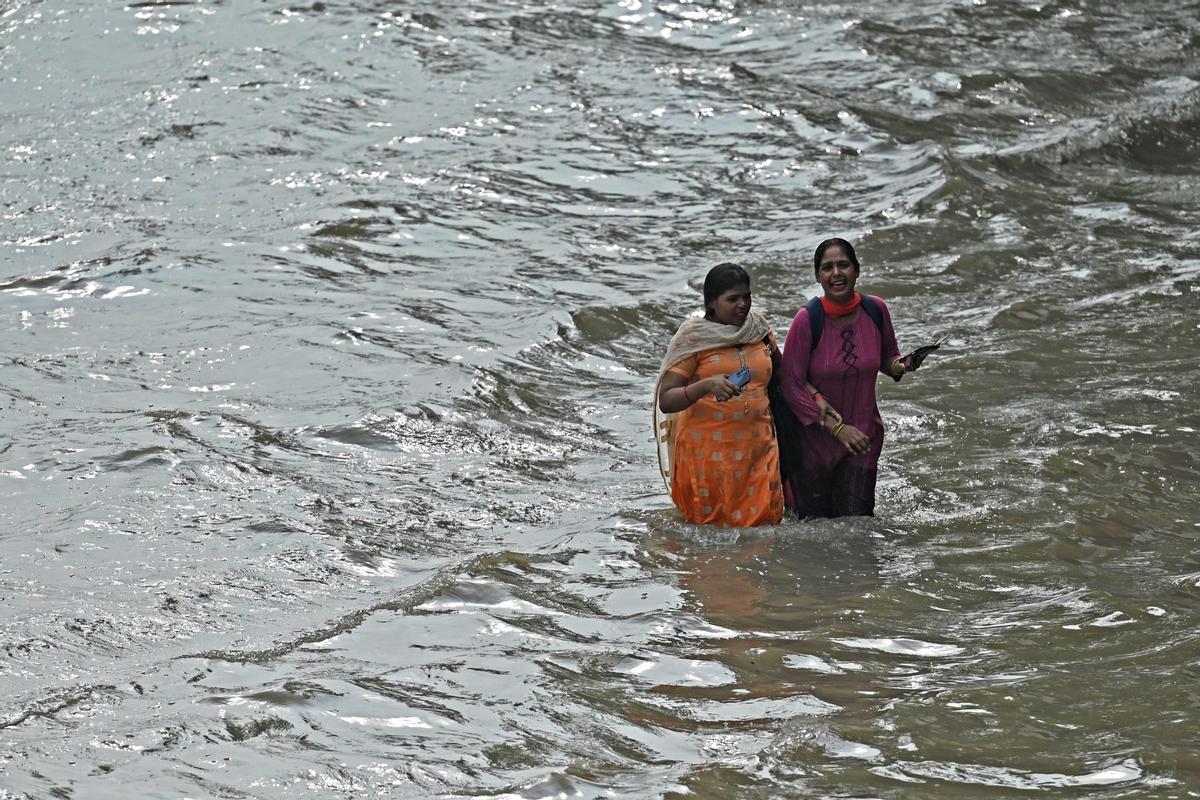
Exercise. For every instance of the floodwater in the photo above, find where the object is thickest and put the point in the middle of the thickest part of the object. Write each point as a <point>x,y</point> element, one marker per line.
<point>330,332</point>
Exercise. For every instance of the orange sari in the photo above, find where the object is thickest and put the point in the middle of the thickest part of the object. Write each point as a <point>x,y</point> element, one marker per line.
<point>725,463</point>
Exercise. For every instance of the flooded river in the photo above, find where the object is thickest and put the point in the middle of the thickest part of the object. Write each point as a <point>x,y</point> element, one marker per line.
<point>331,330</point>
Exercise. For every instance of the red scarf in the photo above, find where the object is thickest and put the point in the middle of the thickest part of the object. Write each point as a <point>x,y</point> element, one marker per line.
<point>833,309</point>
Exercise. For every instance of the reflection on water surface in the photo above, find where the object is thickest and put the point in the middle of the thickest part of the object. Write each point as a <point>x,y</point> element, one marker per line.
<point>332,329</point>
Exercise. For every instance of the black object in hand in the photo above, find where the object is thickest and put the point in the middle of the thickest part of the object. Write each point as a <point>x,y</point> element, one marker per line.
<point>915,358</point>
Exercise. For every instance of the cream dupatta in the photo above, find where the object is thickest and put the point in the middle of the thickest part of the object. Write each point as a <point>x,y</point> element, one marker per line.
<point>695,335</point>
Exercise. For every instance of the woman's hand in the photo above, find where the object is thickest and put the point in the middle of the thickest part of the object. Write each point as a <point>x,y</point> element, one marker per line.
<point>823,408</point>
<point>826,410</point>
<point>718,387</point>
<point>675,394</point>
<point>855,441</point>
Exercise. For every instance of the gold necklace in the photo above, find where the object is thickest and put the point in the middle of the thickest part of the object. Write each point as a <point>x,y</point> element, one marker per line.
<point>742,362</point>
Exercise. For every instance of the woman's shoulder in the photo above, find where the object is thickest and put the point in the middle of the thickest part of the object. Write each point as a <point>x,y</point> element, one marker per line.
<point>800,320</point>
<point>708,354</point>
<point>876,299</point>
<point>882,313</point>
<point>717,352</point>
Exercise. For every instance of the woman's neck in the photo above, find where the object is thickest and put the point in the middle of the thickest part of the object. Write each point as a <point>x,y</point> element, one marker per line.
<point>834,308</point>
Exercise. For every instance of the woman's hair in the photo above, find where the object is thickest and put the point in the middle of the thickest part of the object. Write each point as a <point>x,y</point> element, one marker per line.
<point>847,248</point>
<point>721,279</point>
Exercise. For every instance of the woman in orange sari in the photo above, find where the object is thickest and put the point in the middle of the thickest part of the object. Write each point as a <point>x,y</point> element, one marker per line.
<point>718,437</point>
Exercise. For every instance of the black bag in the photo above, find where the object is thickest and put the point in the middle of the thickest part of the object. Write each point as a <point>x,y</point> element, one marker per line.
<point>787,426</point>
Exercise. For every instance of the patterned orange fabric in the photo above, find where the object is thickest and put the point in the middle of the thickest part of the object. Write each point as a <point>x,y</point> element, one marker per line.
<point>725,468</point>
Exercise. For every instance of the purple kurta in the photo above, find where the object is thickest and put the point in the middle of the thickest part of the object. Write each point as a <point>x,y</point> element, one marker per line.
<point>843,368</point>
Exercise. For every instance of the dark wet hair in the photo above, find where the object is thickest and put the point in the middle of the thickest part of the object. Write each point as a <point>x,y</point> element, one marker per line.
<point>721,279</point>
<point>847,248</point>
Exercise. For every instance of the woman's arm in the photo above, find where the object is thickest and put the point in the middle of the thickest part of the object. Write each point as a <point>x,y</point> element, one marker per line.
<point>890,364</point>
<point>855,441</point>
<point>823,406</point>
<point>793,378</point>
<point>675,394</point>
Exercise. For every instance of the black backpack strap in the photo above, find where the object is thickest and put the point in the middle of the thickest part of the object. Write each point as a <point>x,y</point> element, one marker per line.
<point>816,319</point>
<point>871,306</point>
<point>776,360</point>
<point>816,315</point>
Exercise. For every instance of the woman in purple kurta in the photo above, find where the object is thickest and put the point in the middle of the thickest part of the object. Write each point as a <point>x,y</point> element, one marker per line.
<point>839,459</point>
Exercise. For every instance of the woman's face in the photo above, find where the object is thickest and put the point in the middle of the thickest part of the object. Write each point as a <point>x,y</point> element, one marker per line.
<point>732,306</point>
<point>837,274</point>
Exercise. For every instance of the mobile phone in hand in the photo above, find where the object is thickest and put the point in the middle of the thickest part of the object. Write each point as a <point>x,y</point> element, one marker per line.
<point>917,356</point>
<point>739,378</point>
